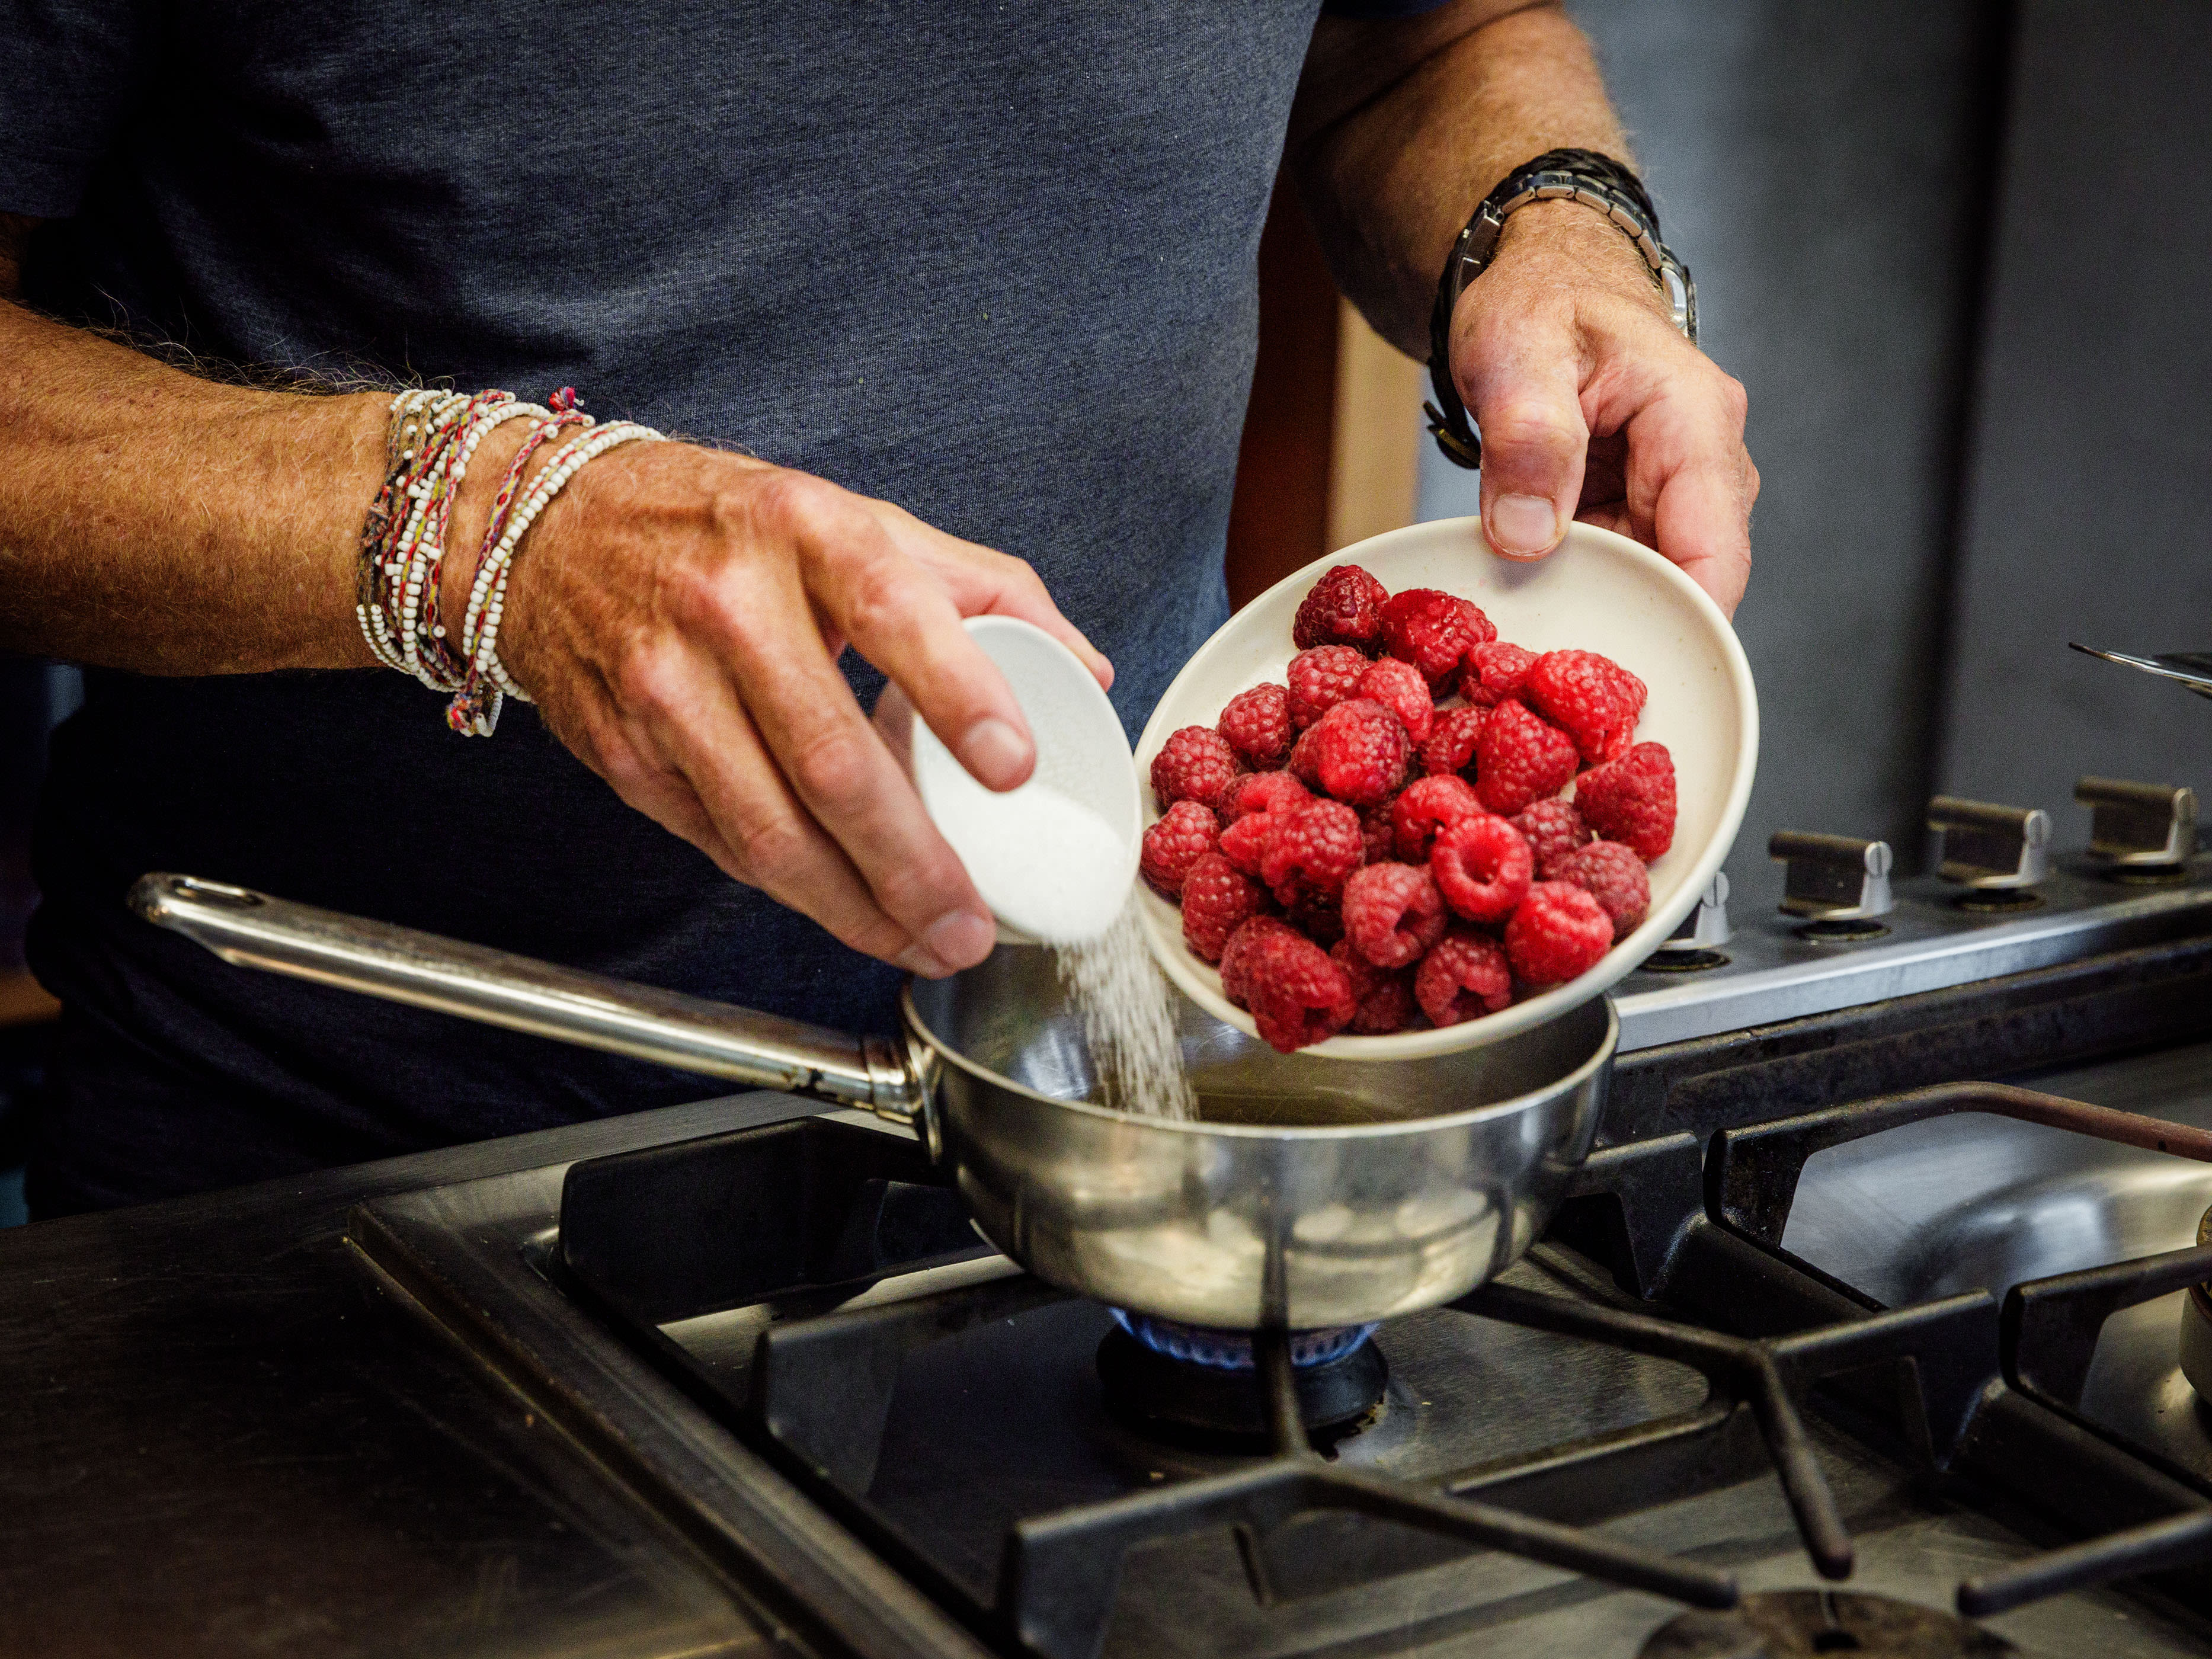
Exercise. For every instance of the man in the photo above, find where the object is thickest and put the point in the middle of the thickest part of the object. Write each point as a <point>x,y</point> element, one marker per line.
<point>964,277</point>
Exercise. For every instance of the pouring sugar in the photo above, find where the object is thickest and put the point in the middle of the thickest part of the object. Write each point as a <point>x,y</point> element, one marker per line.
<point>1058,871</point>
<point>1128,1018</point>
<point>1057,860</point>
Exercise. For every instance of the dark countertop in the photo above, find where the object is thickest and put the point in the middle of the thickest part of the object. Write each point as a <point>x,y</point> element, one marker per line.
<point>224,1432</point>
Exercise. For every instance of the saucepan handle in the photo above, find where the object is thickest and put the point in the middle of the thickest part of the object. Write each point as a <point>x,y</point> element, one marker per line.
<point>493,987</point>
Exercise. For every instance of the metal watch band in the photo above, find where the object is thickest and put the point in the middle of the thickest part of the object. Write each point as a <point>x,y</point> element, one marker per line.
<point>1583,176</point>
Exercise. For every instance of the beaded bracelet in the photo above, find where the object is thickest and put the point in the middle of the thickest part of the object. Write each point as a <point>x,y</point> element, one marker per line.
<point>404,531</point>
<point>476,706</point>
<point>472,710</point>
<point>431,439</point>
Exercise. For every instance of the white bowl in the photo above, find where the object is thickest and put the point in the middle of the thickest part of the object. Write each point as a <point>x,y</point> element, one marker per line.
<point>1081,751</point>
<point>1600,592</point>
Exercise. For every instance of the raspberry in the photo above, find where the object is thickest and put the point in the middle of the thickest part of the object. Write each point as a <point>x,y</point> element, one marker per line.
<point>1378,828</point>
<point>1257,724</point>
<point>1313,850</point>
<point>1591,697</point>
<point>1216,897</point>
<point>1554,829</point>
<point>1482,866</point>
<point>1450,747</point>
<point>1392,914</point>
<point>1248,932</point>
<point>1244,842</point>
<point>1494,672</point>
<point>1631,799</point>
<point>1360,750</point>
<point>1613,876</point>
<point>1321,678</point>
<point>1463,978</point>
<point>1399,687</point>
<point>1316,916</point>
<point>1428,806</point>
<point>1297,995</point>
<point>1301,766</point>
<point>1382,1000</point>
<point>1195,763</point>
<point>1559,933</point>
<point>1345,607</point>
<point>1432,630</point>
<point>1184,835</point>
<point>1259,792</point>
<point>1519,759</point>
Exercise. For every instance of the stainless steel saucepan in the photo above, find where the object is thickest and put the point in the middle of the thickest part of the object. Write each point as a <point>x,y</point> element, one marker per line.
<point>1310,1192</point>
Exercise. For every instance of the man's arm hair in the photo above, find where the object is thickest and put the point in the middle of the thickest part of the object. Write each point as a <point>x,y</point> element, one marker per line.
<point>1402,125</point>
<point>154,520</point>
<point>15,239</point>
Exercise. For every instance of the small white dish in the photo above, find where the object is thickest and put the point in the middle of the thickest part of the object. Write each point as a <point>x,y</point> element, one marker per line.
<point>1599,592</point>
<point>1081,751</point>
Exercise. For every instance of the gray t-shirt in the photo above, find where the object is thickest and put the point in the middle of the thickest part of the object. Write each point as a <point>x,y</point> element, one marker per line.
<point>993,263</point>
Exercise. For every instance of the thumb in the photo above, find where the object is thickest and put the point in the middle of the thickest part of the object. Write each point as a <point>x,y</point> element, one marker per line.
<point>1525,398</point>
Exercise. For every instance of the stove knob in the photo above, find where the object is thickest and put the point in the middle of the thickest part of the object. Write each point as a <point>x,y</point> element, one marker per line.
<point>1832,877</point>
<point>1706,927</point>
<point>1986,845</point>
<point>2140,826</point>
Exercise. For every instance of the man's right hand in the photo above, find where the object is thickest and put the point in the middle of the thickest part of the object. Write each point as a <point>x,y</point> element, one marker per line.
<point>677,613</point>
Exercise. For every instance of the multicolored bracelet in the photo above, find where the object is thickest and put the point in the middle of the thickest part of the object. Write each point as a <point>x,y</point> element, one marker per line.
<point>430,439</point>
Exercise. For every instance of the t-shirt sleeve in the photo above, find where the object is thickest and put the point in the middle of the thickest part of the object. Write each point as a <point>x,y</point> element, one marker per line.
<point>71,73</point>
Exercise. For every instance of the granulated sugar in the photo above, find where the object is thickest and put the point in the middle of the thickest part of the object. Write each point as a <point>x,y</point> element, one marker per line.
<point>1055,869</point>
<point>1045,862</point>
<point>1128,1018</point>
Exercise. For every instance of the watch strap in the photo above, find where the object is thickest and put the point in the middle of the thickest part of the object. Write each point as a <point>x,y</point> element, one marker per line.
<point>1585,176</point>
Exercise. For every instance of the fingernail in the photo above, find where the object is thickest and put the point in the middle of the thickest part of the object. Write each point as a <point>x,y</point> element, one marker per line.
<point>959,939</point>
<point>995,752</point>
<point>1521,525</point>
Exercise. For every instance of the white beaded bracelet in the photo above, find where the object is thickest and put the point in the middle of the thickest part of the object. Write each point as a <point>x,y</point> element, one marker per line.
<point>476,706</point>
<point>431,437</point>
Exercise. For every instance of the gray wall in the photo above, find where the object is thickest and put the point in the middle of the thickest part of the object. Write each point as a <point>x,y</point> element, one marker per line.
<point>1832,175</point>
<point>2089,490</point>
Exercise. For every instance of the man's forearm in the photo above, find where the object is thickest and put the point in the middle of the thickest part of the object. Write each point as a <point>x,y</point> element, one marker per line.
<point>1402,127</point>
<point>155,521</point>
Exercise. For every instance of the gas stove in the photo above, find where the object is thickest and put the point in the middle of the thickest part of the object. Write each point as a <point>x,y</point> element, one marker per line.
<point>1862,1331</point>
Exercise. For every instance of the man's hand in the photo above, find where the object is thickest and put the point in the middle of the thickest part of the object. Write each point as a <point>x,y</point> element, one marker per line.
<point>1592,405</point>
<point>678,614</point>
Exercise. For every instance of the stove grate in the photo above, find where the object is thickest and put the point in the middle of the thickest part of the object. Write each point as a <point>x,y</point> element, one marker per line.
<point>1969,1385</point>
<point>2047,1338</point>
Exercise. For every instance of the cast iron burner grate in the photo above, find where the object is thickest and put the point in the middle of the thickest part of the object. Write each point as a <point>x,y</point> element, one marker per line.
<point>671,1233</point>
<point>800,1217</point>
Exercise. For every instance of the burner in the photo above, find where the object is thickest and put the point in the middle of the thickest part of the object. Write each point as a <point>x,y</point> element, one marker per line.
<point>1190,1384</point>
<point>1997,902</point>
<point>2149,875</point>
<point>1684,962</point>
<point>1799,1624</point>
<point>1231,1350</point>
<point>1849,932</point>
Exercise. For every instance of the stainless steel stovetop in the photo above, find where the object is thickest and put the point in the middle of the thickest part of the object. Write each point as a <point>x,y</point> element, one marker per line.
<point>378,1410</point>
<point>926,1444</point>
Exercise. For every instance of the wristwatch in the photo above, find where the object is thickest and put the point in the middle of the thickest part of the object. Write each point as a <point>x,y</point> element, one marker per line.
<point>1558,175</point>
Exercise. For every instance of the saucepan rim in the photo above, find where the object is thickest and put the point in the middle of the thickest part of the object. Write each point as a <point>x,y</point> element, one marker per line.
<point>1601,1055</point>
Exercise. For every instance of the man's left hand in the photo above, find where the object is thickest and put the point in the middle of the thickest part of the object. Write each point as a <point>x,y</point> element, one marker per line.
<point>1592,405</point>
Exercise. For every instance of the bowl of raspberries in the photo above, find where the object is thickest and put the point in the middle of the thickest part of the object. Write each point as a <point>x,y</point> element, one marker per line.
<point>1417,797</point>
